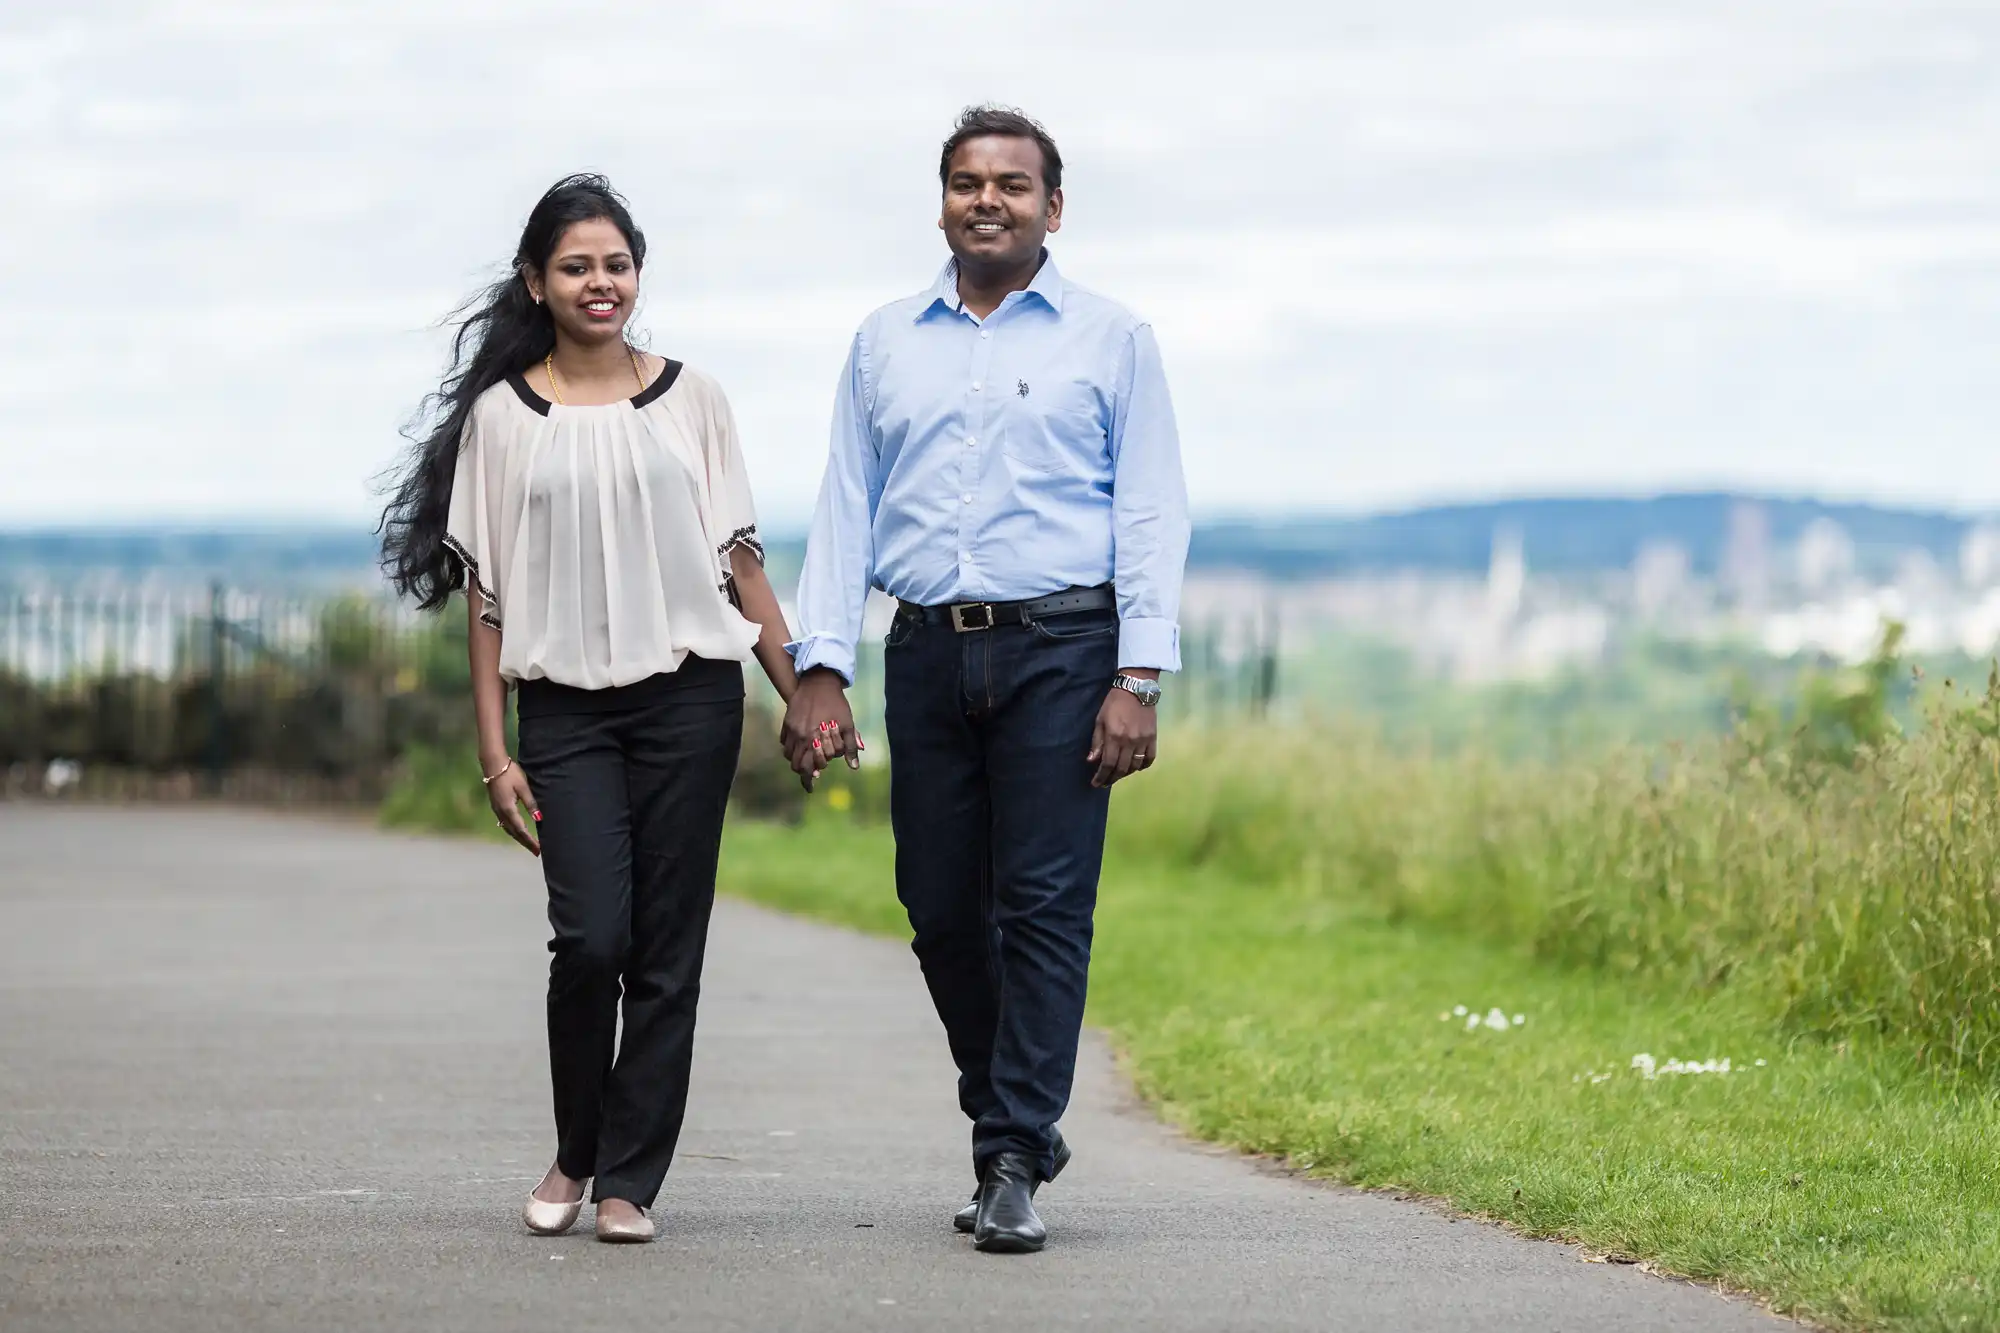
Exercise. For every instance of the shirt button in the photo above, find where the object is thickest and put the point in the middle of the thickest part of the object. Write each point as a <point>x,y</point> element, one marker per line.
<point>975,386</point>
<point>970,441</point>
<point>986,333</point>
<point>967,497</point>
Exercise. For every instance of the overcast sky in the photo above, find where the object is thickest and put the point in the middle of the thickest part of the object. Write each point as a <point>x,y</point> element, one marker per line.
<point>1394,252</point>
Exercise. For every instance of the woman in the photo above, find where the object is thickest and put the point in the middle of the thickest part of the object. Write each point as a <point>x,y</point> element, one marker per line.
<point>591,500</point>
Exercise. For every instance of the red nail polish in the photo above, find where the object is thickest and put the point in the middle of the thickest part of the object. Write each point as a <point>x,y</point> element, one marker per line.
<point>815,745</point>
<point>538,816</point>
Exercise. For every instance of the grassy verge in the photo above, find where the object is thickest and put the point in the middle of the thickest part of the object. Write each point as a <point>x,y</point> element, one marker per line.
<point>1284,1014</point>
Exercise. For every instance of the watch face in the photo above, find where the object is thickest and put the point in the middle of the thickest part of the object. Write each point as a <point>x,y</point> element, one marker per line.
<point>1148,691</point>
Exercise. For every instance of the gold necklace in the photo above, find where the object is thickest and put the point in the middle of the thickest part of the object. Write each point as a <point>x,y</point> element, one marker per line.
<point>549,364</point>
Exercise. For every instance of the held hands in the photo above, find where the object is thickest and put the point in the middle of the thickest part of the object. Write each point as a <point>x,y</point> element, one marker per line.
<point>1126,740</point>
<point>819,726</point>
<point>507,791</point>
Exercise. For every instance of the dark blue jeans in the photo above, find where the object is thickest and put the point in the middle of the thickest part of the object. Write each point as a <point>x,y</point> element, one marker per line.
<point>999,839</point>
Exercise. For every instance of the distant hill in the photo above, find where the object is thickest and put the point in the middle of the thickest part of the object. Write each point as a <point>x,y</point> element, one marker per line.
<point>1562,535</point>
<point>1557,535</point>
<point>295,555</point>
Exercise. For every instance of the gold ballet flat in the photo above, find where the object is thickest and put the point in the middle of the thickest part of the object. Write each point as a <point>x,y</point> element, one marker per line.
<point>629,1231</point>
<point>550,1219</point>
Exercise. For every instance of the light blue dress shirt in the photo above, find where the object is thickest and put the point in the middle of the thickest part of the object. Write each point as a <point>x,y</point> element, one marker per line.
<point>997,460</point>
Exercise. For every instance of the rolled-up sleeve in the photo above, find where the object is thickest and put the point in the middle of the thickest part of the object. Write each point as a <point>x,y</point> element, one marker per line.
<point>1149,510</point>
<point>840,551</point>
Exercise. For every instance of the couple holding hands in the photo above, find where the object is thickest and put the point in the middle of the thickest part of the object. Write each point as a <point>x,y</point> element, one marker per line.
<point>1004,464</point>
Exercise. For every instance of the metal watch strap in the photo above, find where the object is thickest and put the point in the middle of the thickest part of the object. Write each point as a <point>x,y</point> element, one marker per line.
<point>1147,692</point>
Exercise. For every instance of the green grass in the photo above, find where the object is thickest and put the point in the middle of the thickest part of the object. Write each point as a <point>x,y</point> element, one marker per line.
<point>1838,876</point>
<point>1289,1013</point>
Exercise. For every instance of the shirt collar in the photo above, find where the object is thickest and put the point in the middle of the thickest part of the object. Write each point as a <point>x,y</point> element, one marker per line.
<point>1048,285</point>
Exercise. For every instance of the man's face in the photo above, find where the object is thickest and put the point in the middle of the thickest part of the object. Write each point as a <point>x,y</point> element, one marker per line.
<point>996,212</point>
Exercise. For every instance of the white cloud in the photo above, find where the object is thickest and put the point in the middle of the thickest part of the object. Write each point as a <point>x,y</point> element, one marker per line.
<point>1393,251</point>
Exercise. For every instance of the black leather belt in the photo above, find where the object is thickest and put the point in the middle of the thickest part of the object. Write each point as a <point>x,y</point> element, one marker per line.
<point>967,616</point>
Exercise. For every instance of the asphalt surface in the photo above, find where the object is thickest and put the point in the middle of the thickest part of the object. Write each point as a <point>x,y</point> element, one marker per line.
<point>262,1073</point>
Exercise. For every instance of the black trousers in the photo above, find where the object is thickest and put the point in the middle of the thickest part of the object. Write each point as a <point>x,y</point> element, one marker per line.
<point>999,840</point>
<point>633,784</point>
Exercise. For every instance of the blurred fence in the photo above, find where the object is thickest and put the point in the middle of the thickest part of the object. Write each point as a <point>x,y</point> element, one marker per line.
<point>152,693</point>
<point>158,693</point>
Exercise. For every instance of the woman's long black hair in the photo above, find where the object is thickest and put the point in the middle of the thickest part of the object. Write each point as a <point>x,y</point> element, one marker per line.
<point>500,331</point>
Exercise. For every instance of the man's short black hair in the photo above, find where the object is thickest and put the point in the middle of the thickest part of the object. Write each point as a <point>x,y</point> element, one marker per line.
<point>976,122</point>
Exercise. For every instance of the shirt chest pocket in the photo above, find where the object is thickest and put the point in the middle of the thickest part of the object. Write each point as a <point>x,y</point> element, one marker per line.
<point>1053,426</point>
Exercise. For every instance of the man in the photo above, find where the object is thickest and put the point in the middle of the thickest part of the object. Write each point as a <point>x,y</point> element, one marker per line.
<point>1004,463</point>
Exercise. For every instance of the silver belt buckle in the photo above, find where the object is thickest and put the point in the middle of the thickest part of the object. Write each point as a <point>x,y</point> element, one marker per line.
<point>962,609</point>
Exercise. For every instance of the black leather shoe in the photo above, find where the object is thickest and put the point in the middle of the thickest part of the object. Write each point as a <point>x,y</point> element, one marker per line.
<point>1007,1222</point>
<point>968,1217</point>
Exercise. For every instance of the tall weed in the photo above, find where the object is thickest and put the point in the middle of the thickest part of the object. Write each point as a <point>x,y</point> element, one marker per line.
<point>1847,873</point>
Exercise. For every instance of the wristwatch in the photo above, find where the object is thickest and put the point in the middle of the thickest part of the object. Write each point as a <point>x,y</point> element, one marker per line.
<point>1147,692</point>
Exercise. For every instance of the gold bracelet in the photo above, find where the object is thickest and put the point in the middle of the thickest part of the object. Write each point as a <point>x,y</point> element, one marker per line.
<point>497,776</point>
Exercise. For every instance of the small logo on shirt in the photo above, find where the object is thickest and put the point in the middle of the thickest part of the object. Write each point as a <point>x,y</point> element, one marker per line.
<point>1021,388</point>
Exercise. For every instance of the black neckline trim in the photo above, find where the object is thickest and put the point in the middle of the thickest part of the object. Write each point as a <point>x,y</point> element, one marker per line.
<point>668,374</point>
<point>534,400</point>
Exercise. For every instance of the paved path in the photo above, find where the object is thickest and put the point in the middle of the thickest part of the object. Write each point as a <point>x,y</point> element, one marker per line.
<point>258,1073</point>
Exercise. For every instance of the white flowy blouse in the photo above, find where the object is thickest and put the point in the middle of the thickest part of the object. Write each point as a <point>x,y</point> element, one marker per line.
<point>597,539</point>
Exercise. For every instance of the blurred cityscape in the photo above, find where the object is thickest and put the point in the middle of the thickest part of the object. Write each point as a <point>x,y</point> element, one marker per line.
<point>1815,592</point>
<point>1516,590</point>
<point>203,658</point>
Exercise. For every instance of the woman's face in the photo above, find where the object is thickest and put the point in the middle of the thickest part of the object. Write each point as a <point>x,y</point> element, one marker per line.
<point>591,282</point>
